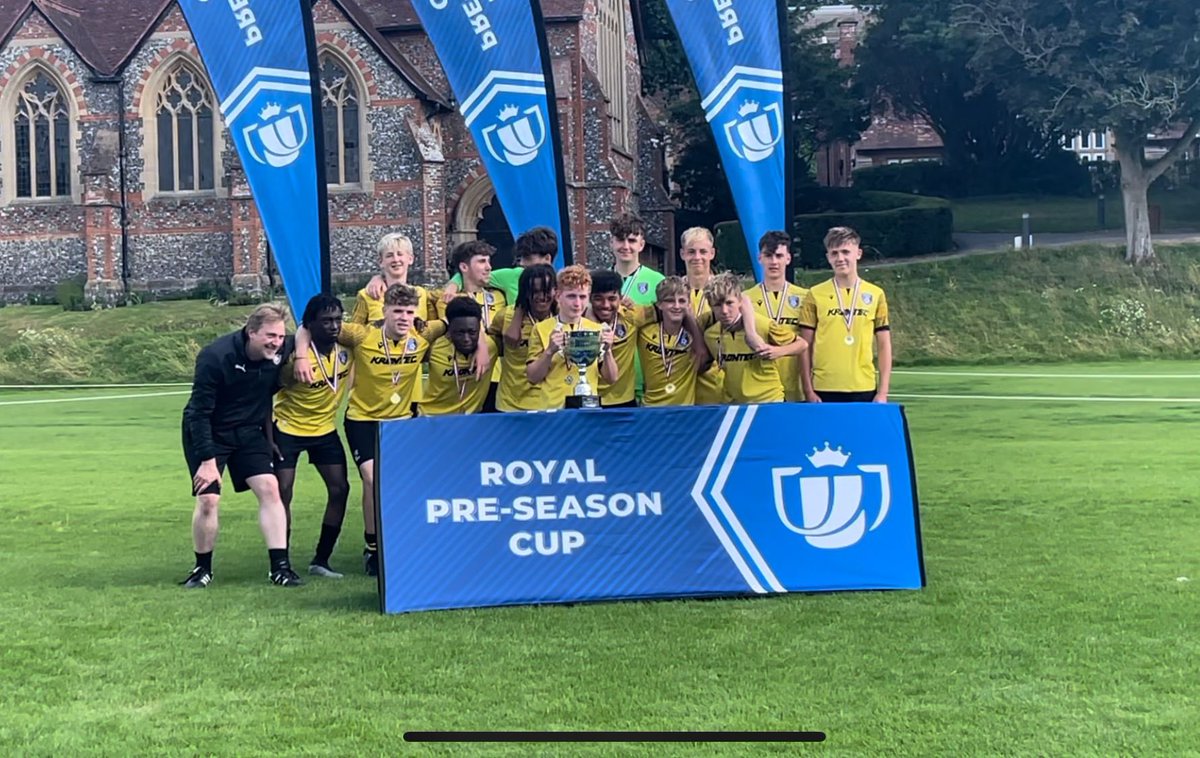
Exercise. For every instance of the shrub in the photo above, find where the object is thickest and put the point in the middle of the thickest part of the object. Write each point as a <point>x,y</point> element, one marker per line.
<point>1057,174</point>
<point>69,293</point>
<point>902,226</point>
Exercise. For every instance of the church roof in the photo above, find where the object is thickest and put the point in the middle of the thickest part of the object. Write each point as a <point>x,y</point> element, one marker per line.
<point>106,33</point>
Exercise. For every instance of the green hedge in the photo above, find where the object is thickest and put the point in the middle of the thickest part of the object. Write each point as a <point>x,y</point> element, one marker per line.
<point>910,225</point>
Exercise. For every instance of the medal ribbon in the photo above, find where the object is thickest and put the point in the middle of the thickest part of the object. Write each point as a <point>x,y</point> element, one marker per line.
<point>778,313</point>
<point>847,313</point>
<point>668,364</point>
<point>388,354</point>
<point>461,385</point>
<point>330,381</point>
<point>628,283</point>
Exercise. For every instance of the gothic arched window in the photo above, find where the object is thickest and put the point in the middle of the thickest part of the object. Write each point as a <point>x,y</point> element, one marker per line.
<point>340,113</point>
<point>42,138</point>
<point>185,128</point>
<point>610,53</point>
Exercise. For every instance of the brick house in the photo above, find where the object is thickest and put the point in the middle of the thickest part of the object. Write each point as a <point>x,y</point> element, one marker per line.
<point>114,164</point>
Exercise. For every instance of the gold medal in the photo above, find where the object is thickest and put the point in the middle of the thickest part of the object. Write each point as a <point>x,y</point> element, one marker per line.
<point>395,398</point>
<point>671,389</point>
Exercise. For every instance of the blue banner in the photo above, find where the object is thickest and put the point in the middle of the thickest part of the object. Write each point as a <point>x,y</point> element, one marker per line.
<point>646,503</point>
<point>492,54</point>
<point>260,60</point>
<point>735,54</point>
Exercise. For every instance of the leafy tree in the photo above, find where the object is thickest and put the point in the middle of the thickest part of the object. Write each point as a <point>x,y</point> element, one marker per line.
<point>1131,66</point>
<point>915,60</point>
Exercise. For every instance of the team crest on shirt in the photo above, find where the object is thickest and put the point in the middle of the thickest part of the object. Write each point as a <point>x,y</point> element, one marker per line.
<point>684,340</point>
<point>343,357</point>
<point>489,298</point>
<point>412,344</point>
<point>620,330</point>
<point>867,298</point>
<point>276,359</point>
<point>794,301</point>
<point>643,287</point>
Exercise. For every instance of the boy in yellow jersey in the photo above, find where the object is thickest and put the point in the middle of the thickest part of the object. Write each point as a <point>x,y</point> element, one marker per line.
<point>304,415</point>
<point>781,302</point>
<point>513,328</point>
<point>455,387</point>
<point>671,347</point>
<point>545,364</point>
<point>387,359</point>
<point>395,260</point>
<point>473,260</point>
<point>841,319</point>
<point>749,377</point>
<point>698,251</point>
<point>606,309</point>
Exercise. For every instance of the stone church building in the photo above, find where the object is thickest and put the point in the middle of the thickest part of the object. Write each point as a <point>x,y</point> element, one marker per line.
<point>114,164</point>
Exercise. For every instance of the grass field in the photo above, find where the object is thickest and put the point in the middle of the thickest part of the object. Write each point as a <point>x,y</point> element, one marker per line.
<point>1058,535</point>
<point>1180,212</point>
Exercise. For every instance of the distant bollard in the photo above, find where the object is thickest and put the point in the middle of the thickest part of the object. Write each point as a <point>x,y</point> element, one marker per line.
<point>1100,221</point>
<point>1026,231</point>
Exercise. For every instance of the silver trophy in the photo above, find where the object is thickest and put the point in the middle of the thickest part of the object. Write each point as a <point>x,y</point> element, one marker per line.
<point>582,348</point>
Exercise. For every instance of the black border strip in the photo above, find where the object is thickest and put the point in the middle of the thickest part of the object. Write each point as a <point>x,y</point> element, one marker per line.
<point>560,177</point>
<point>318,127</point>
<point>912,476</point>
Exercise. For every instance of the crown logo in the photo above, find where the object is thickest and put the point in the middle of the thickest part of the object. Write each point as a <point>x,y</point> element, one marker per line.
<point>271,111</point>
<point>748,107</point>
<point>828,457</point>
<point>508,112</point>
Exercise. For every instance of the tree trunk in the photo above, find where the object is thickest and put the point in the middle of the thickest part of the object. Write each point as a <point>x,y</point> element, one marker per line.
<point>1135,186</point>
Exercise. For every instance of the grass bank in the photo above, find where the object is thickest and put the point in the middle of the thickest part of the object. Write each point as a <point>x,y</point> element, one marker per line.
<point>1064,304</point>
<point>1079,303</point>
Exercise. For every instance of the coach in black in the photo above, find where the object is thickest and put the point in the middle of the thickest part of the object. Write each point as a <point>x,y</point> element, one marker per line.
<point>224,423</point>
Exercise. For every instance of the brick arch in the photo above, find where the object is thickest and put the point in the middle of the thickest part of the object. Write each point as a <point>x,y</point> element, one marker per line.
<point>165,56</point>
<point>336,44</point>
<point>40,58</point>
<point>454,196</point>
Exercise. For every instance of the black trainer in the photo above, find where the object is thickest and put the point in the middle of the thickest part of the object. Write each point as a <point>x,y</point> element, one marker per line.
<point>371,562</point>
<point>285,577</point>
<point>198,579</point>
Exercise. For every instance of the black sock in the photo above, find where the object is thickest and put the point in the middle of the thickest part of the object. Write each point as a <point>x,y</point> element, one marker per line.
<point>279,559</point>
<point>204,561</point>
<point>325,545</point>
<point>369,538</point>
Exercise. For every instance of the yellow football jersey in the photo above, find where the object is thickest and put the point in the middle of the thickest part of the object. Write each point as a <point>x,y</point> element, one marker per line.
<point>561,378</point>
<point>386,372</point>
<point>667,365</point>
<point>492,301</point>
<point>309,410</point>
<point>710,386</point>
<point>783,308</point>
<point>844,356</point>
<point>453,389</point>
<point>515,393</point>
<point>369,310</point>
<point>748,378</point>
<point>624,349</point>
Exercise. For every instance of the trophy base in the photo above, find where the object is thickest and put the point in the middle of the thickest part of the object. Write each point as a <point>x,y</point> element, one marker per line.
<point>583,401</point>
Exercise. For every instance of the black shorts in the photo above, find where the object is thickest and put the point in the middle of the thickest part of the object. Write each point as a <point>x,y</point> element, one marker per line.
<point>627,404</point>
<point>489,402</point>
<point>323,450</point>
<point>847,397</point>
<point>246,451</point>
<point>363,438</point>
